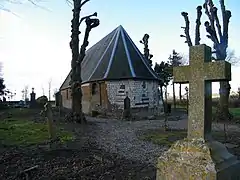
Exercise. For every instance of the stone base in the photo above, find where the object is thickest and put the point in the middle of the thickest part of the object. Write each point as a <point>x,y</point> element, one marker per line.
<point>198,160</point>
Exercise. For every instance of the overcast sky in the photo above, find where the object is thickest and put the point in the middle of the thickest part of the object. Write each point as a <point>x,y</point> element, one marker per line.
<point>34,43</point>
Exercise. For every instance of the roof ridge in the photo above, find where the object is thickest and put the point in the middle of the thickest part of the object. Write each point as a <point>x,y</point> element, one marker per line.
<point>127,52</point>
<point>100,60</point>
<point>141,56</point>
<point>112,55</point>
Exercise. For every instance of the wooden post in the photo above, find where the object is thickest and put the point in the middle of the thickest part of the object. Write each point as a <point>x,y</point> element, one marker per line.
<point>186,89</point>
<point>49,118</point>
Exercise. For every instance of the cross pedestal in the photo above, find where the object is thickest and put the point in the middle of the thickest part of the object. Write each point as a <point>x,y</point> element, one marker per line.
<point>199,157</point>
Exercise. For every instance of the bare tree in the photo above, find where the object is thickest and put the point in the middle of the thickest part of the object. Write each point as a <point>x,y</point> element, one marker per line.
<point>147,55</point>
<point>219,35</point>
<point>77,57</point>
<point>49,89</point>
<point>43,91</point>
<point>25,93</point>
<point>20,2</point>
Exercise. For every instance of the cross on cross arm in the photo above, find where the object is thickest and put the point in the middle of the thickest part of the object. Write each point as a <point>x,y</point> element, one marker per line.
<point>200,73</point>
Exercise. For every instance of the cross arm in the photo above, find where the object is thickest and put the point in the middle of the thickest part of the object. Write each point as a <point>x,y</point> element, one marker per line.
<point>217,71</point>
<point>181,74</point>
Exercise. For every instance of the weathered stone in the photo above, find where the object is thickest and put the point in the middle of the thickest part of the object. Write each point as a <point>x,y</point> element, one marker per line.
<point>199,157</point>
<point>199,74</point>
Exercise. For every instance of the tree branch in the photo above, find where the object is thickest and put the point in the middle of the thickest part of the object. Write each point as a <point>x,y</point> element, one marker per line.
<point>186,29</point>
<point>226,15</point>
<point>82,19</point>
<point>211,32</point>
<point>210,27</point>
<point>215,15</point>
<point>84,2</point>
<point>198,24</point>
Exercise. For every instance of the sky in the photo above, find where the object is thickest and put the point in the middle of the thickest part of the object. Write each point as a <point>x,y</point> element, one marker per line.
<point>34,41</point>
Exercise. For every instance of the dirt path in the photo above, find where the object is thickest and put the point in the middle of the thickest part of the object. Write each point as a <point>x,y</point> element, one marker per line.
<point>121,137</point>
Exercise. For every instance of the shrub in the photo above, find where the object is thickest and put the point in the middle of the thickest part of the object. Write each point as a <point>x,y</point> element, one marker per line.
<point>41,101</point>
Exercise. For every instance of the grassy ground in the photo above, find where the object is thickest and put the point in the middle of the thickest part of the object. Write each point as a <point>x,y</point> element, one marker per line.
<point>161,137</point>
<point>19,129</point>
<point>167,138</point>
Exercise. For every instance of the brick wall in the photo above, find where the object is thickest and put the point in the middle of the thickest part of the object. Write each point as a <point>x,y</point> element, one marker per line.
<point>141,93</point>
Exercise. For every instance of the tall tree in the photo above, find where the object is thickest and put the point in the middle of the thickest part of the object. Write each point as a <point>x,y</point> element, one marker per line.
<point>2,87</point>
<point>49,89</point>
<point>77,57</point>
<point>219,35</point>
<point>147,55</point>
<point>175,59</point>
<point>164,72</point>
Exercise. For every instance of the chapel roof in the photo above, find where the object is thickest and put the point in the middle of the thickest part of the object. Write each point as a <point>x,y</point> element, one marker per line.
<point>114,57</point>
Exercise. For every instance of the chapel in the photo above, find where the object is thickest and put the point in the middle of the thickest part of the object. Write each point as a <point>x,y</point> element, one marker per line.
<point>113,68</point>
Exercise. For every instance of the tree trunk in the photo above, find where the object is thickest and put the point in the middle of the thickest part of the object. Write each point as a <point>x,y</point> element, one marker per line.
<point>224,92</point>
<point>174,97</point>
<point>180,92</point>
<point>164,108</point>
<point>166,98</point>
<point>77,114</point>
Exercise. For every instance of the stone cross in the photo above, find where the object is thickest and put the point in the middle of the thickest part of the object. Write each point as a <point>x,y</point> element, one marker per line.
<point>200,73</point>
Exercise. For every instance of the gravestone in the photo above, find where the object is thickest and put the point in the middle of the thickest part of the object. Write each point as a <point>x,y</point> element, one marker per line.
<point>33,99</point>
<point>127,108</point>
<point>199,156</point>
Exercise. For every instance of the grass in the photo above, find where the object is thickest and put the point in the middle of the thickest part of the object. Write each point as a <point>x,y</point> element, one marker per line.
<point>235,112</point>
<point>167,138</point>
<point>161,137</point>
<point>19,130</point>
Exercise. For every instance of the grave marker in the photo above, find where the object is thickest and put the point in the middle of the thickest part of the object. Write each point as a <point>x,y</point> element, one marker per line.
<point>199,157</point>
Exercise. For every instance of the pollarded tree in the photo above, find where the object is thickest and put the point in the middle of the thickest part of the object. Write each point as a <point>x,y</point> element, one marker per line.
<point>219,35</point>
<point>77,57</point>
<point>147,55</point>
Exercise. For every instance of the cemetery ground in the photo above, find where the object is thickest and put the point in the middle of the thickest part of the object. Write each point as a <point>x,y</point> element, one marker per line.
<point>102,149</point>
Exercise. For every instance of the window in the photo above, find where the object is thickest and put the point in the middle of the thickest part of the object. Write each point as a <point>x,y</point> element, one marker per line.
<point>67,94</point>
<point>122,86</point>
<point>94,88</point>
<point>144,85</point>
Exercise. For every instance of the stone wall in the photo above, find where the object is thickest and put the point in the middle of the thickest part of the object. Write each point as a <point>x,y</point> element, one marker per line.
<point>141,93</point>
<point>108,94</point>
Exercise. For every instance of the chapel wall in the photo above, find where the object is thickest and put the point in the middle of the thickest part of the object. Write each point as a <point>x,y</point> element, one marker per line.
<point>141,93</point>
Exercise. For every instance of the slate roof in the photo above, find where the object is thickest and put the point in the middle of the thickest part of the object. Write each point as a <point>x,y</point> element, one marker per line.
<point>114,57</point>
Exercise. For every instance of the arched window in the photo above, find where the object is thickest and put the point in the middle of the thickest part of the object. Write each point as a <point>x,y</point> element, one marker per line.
<point>94,88</point>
